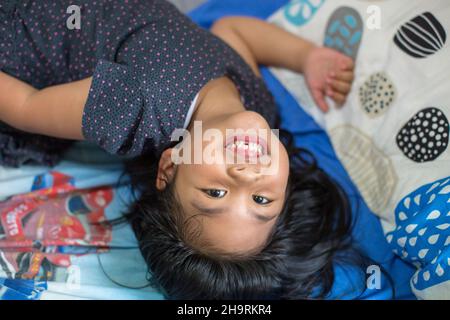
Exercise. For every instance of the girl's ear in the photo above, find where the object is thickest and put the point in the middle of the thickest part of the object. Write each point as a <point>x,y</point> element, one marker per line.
<point>166,170</point>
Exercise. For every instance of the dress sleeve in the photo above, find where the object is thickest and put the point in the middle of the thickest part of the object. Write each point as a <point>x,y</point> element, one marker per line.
<point>115,110</point>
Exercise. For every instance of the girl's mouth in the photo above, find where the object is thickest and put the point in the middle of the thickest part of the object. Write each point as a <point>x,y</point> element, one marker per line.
<point>247,146</point>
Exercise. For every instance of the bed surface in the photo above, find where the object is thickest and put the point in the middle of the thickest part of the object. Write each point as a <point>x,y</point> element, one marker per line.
<point>96,268</point>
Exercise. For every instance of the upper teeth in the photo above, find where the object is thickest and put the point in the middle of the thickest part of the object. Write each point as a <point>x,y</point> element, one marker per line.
<point>251,146</point>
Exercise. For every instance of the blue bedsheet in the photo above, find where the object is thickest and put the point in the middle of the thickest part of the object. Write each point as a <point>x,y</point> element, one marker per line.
<point>367,232</point>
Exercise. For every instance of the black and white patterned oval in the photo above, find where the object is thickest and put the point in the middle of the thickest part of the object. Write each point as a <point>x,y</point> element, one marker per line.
<point>422,36</point>
<point>425,136</point>
<point>376,94</point>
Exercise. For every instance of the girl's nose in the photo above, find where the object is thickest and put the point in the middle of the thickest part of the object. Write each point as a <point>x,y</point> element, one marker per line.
<point>245,173</point>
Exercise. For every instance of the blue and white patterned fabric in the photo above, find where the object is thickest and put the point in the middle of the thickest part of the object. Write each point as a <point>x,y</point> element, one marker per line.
<point>392,134</point>
<point>422,236</point>
<point>299,12</point>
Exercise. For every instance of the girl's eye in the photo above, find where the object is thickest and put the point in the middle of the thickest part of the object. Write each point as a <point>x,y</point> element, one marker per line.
<point>215,193</point>
<point>261,200</point>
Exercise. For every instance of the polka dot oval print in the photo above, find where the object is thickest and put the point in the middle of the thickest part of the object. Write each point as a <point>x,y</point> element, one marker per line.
<point>377,94</point>
<point>425,136</point>
<point>422,36</point>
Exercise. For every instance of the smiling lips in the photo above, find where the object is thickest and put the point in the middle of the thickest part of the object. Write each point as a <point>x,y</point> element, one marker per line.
<point>247,146</point>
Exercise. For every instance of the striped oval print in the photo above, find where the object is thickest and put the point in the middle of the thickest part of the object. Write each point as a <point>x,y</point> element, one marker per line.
<point>422,36</point>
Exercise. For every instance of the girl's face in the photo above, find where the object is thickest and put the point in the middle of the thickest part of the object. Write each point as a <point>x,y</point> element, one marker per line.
<point>237,204</point>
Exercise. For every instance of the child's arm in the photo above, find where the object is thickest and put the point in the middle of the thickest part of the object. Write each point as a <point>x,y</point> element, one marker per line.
<point>327,72</point>
<point>54,111</point>
<point>262,43</point>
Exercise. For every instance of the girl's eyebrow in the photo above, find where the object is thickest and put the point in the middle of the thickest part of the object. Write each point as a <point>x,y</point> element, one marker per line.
<point>219,210</point>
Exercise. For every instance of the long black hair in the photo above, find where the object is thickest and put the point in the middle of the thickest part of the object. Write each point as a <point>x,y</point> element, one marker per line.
<point>312,233</point>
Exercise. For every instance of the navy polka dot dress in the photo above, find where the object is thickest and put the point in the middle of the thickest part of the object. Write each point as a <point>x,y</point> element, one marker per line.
<point>148,62</point>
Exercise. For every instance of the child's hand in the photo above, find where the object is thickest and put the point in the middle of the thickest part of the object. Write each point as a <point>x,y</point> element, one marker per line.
<point>328,73</point>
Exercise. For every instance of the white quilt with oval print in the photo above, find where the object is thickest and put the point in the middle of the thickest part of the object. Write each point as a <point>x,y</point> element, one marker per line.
<point>392,134</point>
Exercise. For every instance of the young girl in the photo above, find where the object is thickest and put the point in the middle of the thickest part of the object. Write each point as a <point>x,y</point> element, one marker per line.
<point>133,73</point>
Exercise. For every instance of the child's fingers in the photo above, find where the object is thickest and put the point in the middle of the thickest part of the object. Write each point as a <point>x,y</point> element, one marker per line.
<point>347,63</point>
<point>319,99</point>
<point>339,86</point>
<point>347,76</point>
<point>337,97</point>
